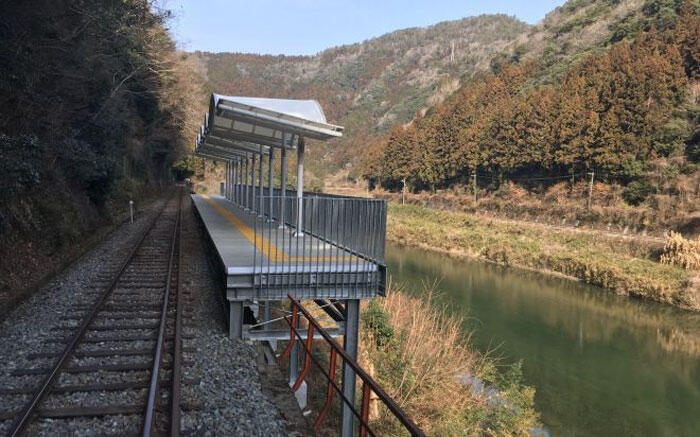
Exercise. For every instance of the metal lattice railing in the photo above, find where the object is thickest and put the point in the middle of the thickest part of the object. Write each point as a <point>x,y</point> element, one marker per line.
<point>334,247</point>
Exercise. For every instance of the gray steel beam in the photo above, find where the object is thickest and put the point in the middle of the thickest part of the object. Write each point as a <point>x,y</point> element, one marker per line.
<point>252,180</point>
<point>350,343</point>
<point>229,179</point>
<point>270,183</point>
<point>283,187</point>
<point>247,162</point>
<point>239,165</point>
<point>294,363</point>
<point>235,181</point>
<point>235,320</point>
<point>300,187</point>
<point>242,140</point>
<point>261,197</point>
<point>283,334</point>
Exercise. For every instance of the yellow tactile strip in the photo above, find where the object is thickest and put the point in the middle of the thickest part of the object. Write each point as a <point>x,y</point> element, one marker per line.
<point>270,250</point>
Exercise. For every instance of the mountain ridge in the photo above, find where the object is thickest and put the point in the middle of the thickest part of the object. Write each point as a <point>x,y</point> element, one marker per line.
<point>370,85</point>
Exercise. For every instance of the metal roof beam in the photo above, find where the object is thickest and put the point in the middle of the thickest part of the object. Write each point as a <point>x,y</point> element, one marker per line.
<point>229,154</point>
<point>248,147</point>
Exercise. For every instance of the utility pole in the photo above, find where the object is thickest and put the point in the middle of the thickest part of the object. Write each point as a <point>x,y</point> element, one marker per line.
<point>590,189</point>
<point>403,191</point>
<point>474,184</point>
<point>452,54</point>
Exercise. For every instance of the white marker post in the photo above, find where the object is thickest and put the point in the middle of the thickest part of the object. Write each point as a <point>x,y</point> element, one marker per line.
<point>131,210</point>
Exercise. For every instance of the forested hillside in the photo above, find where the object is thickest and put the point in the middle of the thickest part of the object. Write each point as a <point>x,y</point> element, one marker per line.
<point>94,108</point>
<point>623,110</point>
<point>369,86</point>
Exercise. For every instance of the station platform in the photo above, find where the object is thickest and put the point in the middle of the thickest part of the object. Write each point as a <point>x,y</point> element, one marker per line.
<point>262,261</point>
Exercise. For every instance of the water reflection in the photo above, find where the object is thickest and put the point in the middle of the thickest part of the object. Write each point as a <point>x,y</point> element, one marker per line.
<point>602,364</point>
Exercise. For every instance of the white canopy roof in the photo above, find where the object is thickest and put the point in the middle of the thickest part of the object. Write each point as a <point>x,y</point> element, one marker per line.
<point>303,109</point>
<point>265,121</point>
<point>236,126</point>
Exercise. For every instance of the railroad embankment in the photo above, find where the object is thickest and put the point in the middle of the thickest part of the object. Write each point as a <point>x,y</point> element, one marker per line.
<point>620,264</point>
<point>56,232</point>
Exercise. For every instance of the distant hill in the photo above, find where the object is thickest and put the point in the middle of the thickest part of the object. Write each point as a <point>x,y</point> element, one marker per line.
<point>369,86</point>
<point>601,90</point>
<point>372,86</point>
<point>600,85</point>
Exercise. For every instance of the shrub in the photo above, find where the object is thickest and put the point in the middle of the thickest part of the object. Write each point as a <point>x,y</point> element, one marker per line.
<point>557,193</point>
<point>21,166</point>
<point>636,192</point>
<point>421,355</point>
<point>681,252</point>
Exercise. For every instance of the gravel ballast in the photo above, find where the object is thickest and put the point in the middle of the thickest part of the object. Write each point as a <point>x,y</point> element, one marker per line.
<point>221,386</point>
<point>228,383</point>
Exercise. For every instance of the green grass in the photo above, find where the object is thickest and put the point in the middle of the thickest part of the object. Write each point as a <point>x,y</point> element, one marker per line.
<point>613,263</point>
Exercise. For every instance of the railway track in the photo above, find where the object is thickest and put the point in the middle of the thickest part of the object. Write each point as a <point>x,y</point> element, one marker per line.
<point>116,356</point>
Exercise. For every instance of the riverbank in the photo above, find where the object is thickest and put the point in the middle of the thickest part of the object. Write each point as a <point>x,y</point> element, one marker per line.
<point>420,354</point>
<point>617,264</point>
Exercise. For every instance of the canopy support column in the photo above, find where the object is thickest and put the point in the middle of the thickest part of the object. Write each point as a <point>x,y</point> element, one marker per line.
<point>224,191</point>
<point>233,182</point>
<point>229,179</point>
<point>252,184</point>
<point>300,187</point>
<point>261,204</point>
<point>270,183</point>
<point>238,182</point>
<point>283,187</point>
<point>247,208</point>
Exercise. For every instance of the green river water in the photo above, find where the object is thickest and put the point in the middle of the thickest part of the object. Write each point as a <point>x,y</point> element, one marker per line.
<point>602,365</point>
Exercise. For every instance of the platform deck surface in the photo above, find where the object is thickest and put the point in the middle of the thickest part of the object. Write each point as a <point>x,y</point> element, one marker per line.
<point>247,245</point>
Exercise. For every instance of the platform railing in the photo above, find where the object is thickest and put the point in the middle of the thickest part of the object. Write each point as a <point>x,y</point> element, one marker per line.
<point>369,385</point>
<point>338,248</point>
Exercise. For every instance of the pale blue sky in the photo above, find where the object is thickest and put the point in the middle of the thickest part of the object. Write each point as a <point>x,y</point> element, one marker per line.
<point>302,27</point>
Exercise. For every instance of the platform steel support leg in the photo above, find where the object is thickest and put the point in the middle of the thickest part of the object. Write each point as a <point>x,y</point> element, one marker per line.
<point>283,187</point>
<point>300,188</point>
<point>350,344</point>
<point>235,319</point>
<point>294,361</point>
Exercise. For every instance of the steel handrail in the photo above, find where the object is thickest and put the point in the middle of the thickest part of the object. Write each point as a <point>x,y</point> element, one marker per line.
<point>368,383</point>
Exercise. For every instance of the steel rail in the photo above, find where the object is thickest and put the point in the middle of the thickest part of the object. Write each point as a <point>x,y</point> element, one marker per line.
<point>23,420</point>
<point>160,343</point>
<point>177,352</point>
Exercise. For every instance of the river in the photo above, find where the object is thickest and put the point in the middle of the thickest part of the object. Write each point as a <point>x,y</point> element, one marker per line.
<point>602,365</point>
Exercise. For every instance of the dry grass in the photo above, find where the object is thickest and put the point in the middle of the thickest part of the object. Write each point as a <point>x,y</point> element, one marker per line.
<point>618,264</point>
<point>682,252</point>
<point>674,207</point>
<point>418,352</point>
